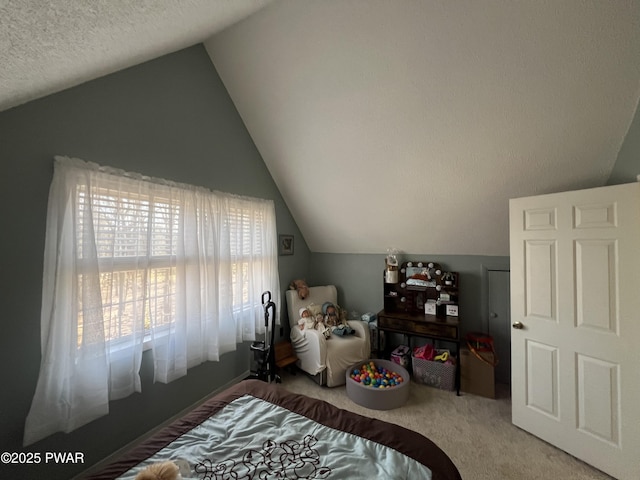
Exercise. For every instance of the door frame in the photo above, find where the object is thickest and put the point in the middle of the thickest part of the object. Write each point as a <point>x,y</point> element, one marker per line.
<point>504,366</point>
<point>484,300</point>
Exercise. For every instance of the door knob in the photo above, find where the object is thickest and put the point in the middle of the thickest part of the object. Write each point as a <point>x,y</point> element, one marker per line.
<point>493,315</point>
<point>518,325</point>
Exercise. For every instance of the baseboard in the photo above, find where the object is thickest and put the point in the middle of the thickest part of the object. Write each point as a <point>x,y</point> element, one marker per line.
<point>107,460</point>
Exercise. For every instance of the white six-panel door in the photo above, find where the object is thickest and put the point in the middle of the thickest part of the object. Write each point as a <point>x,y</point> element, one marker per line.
<point>575,308</point>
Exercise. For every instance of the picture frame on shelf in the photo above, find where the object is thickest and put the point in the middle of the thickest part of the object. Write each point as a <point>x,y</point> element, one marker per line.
<point>285,244</point>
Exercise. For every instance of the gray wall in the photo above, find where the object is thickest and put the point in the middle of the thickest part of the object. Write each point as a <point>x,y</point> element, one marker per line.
<point>627,165</point>
<point>169,118</point>
<point>359,279</point>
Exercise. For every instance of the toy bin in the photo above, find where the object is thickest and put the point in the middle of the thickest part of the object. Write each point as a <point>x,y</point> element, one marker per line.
<point>434,374</point>
<point>401,355</point>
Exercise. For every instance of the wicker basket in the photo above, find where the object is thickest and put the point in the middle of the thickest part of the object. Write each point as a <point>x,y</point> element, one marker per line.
<point>435,374</point>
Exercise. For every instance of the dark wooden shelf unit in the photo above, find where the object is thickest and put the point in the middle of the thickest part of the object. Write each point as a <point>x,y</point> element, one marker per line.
<point>425,326</point>
<point>420,283</point>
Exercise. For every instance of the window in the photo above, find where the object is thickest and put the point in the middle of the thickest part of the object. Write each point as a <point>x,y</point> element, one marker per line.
<point>136,241</point>
<point>130,259</point>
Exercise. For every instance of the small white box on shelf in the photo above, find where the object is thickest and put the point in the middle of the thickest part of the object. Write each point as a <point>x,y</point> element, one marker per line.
<point>452,310</point>
<point>430,308</point>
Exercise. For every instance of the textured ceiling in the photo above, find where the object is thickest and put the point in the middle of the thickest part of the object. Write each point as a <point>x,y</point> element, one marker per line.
<point>50,45</point>
<point>404,124</point>
<point>410,124</point>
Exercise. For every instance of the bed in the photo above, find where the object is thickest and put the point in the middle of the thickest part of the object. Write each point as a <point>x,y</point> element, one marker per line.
<point>256,430</point>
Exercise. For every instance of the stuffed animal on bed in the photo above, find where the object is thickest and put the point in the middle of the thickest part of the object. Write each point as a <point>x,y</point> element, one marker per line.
<point>160,471</point>
<point>301,287</point>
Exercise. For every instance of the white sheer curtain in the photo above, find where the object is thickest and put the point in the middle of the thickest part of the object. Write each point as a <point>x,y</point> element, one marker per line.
<point>128,259</point>
<point>229,247</point>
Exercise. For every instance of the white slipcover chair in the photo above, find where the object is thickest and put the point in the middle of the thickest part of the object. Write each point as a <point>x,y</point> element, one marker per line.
<point>326,360</point>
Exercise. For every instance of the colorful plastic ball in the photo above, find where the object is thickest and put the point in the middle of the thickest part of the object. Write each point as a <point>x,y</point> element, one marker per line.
<point>373,376</point>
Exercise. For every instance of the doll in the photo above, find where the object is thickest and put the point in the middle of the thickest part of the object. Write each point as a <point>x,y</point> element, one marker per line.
<point>322,327</point>
<point>336,324</point>
<point>306,319</point>
<point>330,314</point>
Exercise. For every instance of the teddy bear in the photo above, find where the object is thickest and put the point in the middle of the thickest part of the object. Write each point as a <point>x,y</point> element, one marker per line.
<point>302,288</point>
<point>160,471</point>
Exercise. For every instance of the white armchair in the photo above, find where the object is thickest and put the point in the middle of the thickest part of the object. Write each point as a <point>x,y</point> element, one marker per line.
<point>325,359</point>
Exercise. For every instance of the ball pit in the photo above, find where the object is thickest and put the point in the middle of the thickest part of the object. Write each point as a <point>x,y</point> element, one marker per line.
<point>378,384</point>
<point>376,376</point>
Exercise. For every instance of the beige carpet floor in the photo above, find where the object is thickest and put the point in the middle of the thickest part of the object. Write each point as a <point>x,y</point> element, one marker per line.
<point>475,432</point>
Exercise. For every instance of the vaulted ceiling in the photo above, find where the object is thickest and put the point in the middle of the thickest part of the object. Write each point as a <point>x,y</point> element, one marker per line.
<point>49,45</point>
<point>405,124</point>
